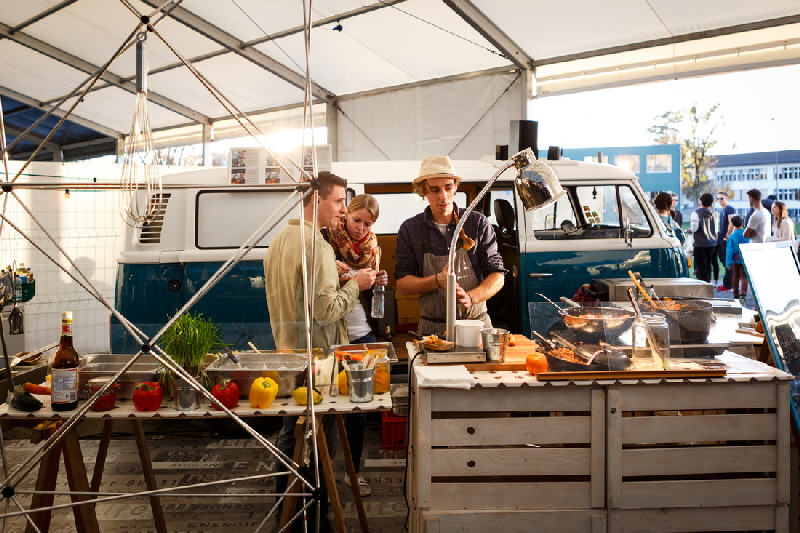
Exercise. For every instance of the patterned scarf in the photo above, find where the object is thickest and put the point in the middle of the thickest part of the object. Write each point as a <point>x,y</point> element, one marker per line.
<point>464,241</point>
<point>357,254</point>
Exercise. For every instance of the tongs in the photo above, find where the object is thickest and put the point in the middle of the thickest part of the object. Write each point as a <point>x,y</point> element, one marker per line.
<point>545,341</point>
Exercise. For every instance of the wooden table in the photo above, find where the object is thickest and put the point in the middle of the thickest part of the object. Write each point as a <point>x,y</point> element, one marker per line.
<point>640,455</point>
<point>69,447</point>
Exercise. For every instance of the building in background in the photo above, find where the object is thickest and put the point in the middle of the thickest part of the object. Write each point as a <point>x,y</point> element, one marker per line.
<point>658,166</point>
<point>775,173</point>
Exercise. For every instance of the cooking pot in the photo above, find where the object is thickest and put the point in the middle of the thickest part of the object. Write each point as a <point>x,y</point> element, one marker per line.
<point>596,323</point>
<point>689,323</point>
<point>602,358</point>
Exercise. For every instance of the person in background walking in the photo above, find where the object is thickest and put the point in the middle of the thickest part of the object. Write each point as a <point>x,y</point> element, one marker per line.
<point>733,257</point>
<point>783,230</point>
<point>704,225</point>
<point>759,224</point>
<point>724,226</point>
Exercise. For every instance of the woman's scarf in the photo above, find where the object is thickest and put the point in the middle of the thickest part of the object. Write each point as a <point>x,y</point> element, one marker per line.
<point>357,254</point>
<point>464,241</point>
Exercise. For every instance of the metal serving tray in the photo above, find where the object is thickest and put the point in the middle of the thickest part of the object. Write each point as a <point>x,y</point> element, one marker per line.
<point>103,365</point>
<point>356,348</point>
<point>287,369</point>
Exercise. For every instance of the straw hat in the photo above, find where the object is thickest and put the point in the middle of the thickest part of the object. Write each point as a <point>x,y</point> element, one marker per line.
<point>436,166</point>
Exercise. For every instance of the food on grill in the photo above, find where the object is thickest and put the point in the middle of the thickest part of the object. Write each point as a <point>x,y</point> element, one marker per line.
<point>566,354</point>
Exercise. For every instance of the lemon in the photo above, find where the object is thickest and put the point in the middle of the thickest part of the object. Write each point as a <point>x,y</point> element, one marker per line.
<point>300,395</point>
<point>341,380</point>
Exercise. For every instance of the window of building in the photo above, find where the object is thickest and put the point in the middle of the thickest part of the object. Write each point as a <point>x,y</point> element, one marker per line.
<point>628,162</point>
<point>659,163</point>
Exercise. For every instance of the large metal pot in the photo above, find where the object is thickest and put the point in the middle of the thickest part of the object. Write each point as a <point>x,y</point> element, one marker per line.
<point>689,323</point>
<point>596,323</point>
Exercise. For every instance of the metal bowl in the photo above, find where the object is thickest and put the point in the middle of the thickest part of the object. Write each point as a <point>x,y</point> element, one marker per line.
<point>596,323</point>
<point>690,323</point>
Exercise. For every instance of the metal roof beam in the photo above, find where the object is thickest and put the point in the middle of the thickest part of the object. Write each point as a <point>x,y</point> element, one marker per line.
<point>46,13</point>
<point>84,66</point>
<point>483,25</point>
<point>233,44</point>
<point>32,137</point>
<point>59,113</point>
<point>728,30</point>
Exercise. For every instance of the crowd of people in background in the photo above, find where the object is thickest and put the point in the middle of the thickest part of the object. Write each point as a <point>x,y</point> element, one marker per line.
<point>717,232</point>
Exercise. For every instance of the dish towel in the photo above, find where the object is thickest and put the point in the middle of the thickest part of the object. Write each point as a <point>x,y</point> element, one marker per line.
<point>448,377</point>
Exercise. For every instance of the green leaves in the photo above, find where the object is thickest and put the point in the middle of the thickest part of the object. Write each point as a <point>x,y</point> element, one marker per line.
<point>189,339</point>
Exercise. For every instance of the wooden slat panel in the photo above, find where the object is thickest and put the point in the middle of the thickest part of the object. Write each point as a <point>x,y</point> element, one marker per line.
<point>705,460</point>
<point>517,430</point>
<point>513,399</point>
<point>598,449</point>
<point>476,496</point>
<point>783,443</point>
<point>704,493</point>
<point>614,447</point>
<point>691,396</point>
<point>700,428</point>
<point>510,462</point>
<point>514,521</point>
<point>671,520</point>
<point>422,438</point>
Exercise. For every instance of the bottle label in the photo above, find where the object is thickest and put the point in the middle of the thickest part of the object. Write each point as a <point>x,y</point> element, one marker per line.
<point>64,385</point>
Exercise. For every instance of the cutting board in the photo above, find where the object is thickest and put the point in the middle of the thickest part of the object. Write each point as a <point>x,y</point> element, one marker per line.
<point>514,359</point>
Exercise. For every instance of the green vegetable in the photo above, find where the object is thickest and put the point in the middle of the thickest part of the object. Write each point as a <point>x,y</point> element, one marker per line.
<point>24,401</point>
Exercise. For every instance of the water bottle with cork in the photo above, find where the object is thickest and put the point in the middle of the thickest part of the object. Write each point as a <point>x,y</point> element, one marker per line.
<point>377,291</point>
<point>64,396</point>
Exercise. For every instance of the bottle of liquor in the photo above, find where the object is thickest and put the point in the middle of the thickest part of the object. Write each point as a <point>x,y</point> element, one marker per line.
<point>64,395</point>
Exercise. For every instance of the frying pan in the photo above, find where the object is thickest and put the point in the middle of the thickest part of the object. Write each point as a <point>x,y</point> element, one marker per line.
<point>593,323</point>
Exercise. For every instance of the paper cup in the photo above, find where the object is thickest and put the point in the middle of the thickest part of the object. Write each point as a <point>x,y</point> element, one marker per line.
<point>468,332</point>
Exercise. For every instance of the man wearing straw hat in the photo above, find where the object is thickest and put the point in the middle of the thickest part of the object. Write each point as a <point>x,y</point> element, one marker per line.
<point>423,244</point>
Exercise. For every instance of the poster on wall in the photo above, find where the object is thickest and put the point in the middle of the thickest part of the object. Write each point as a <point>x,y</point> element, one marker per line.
<point>253,166</point>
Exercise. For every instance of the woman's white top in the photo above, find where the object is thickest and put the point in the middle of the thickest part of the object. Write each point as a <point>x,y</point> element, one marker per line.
<point>784,231</point>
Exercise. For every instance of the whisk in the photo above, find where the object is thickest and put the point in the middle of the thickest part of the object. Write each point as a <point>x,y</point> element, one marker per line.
<point>140,161</point>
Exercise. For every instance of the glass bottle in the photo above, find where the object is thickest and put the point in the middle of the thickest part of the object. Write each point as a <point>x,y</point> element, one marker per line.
<point>17,288</point>
<point>22,272</point>
<point>64,395</point>
<point>650,329</point>
<point>377,301</point>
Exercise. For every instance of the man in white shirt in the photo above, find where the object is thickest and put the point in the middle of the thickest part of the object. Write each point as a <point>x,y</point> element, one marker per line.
<point>759,226</point>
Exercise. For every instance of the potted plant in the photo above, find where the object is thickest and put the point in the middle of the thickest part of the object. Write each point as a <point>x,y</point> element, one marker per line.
<point>187,342</point>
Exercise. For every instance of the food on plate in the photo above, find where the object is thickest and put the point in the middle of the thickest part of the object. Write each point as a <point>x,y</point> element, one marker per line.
<point>536,362</point>
<point>147,396</point>
<point>227,393</point>
<point>433,342</point>
<point>567,355</point>
<point>33,388</point>
<point>300,395</point>
<point>262,392</point>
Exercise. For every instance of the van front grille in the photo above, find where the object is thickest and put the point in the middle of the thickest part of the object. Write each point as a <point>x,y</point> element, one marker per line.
<point>151,229</point>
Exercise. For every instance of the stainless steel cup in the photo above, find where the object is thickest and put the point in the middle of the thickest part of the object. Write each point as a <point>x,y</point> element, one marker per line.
<point>361,384</point>
<point>494,344</point>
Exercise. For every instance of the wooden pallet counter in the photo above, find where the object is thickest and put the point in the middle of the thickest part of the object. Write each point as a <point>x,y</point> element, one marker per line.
<point>515,454</point>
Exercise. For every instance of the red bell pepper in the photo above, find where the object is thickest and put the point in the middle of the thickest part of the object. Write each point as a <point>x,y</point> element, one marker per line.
<point>227,393</point>
<point>147,396</point>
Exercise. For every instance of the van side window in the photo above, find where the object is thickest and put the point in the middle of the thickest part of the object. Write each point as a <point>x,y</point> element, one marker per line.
<point>395,208</point>
<point>591,212</point>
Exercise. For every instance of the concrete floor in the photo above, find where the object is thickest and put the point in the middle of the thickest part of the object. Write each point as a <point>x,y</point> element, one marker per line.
<point>186,452</point>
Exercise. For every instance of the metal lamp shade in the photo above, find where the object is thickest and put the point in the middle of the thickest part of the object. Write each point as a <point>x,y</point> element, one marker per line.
<point>538,186</point>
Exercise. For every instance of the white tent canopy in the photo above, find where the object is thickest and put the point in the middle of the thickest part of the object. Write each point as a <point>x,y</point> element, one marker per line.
<point>395,79</point>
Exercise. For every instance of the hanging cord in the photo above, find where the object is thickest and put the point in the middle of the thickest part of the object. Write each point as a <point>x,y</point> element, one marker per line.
<point>231,108</point>
<point>519,74</point>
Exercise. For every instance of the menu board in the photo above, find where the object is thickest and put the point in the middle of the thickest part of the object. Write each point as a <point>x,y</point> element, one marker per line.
<point>256,166</point>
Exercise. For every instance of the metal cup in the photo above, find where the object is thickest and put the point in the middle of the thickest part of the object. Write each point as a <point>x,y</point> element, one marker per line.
<point>494,344</point>
<point>361,384</point>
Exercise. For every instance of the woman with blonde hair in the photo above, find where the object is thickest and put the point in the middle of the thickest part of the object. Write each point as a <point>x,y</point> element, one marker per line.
<point>356,247</point>
<point>783,226</point>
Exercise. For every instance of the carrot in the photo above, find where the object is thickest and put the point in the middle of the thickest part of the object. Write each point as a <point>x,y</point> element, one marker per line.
<point>33,388</point>
<point>348,355</point>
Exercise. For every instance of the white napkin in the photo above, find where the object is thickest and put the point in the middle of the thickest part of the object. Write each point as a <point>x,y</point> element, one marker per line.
<point>448,377</point>
<point>739,364</point>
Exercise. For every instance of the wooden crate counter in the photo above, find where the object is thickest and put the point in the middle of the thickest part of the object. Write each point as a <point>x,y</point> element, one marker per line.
<point>515,454</point>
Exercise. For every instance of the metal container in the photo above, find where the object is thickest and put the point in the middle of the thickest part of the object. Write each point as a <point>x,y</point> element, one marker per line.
<point>400,399</point>
<point>591,324</point>
<point>105,365</point>
<point>286,368</point>
<point>494,344</point>
<point>361,383</point>
<point>689,323</point>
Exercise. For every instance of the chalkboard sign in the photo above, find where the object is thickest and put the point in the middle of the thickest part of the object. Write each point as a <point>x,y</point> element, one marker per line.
<point>774,275</point>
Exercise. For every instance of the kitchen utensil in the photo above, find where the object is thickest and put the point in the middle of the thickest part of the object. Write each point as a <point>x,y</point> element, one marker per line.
<point>468,332</point>
<point>569,302</point>
<point>547,343</point>
<point>494,344</point>
<point>650,340</point>
<point>690,323</point>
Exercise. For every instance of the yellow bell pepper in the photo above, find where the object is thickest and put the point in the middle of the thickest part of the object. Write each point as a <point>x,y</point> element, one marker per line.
<point>262,392</point>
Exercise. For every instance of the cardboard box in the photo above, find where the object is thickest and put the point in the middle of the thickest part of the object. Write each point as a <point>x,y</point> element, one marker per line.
<point>408,310</point>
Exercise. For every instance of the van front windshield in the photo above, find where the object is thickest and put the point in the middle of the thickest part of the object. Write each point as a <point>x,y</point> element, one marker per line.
<point>591,212</point>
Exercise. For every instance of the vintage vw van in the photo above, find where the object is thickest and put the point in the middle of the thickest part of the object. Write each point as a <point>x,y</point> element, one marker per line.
<point>602,227</point>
